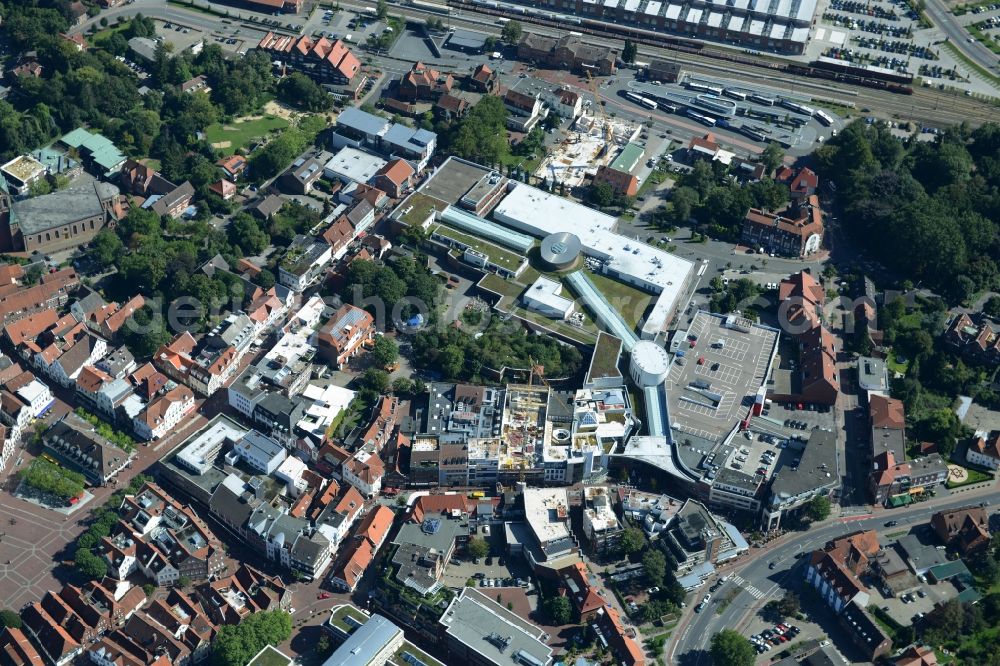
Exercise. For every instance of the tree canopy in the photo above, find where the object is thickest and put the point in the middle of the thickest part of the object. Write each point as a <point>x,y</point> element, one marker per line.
<point>237,644</point>
<point>730,648</point>
<point>940,200</point>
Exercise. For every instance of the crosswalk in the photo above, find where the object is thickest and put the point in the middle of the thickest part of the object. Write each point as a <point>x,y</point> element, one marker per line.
<point>745,584</point>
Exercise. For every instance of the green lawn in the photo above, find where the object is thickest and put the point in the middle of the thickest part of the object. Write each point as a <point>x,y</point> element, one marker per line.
<point>975,476</point>
<point>241,133</point>
<point>894,365</point>
<point>631,303</point>
<point>497,284</point>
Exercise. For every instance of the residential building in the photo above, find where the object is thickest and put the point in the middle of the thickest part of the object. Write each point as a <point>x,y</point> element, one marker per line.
<point>365,471</point>
<point>481,632</point>
<point>791,491</point>
<point>424,549</point>
<point>895,482</point>
<point>234,167</point>
<point>524,110</point>
<point>17,650</point>
<point>231,599</point>
<point>224,189</point>
<point>262,453</point>
<point>600,524</point>
<point>567,52</point>
<point>976,337</point>
<point>835,572</point>
<point>450,107</point>
<point>984,450</point>
<point>328,63</point>
<point>21,173</point>
<point>695,536</point>
<point>163,414</point>
<point>965,529</point>
<point>344,334</point>
<point>484,80</point>
<point>357,556</point>
<point>423,84</point>
<point>303,262</point>
<point>59,220</point>
<point>300,177</point>
<point>362,129</point>
<point>53,291</point>
<point>612,631</point>
<point>622,182</point>
<point>395,178</point>
<point>142,180</point>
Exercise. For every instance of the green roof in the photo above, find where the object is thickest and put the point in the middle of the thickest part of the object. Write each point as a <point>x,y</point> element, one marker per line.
<point>76,138</point>
<point>494,253</point>
<point>628,158</point>
<point>270,656</point>
<point>98,148</point>
<point>416,208</point>
<point>949,570</point>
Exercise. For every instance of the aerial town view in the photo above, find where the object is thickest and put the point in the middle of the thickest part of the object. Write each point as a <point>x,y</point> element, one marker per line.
<point>499,333</point>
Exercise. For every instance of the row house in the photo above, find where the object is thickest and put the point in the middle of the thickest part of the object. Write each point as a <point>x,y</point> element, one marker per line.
<point>232,599</point>
<point>303,262</point>
<point>163,539</point>
<point>217,358</point>
<point>896,481</point>
<point>367,538</point>
<point>17,650</point>
<point>52,292</point>
<point>365,471</point>
<point>326,62</point>
<point>34,393</point>
<point>163,414</point>
<point>337,517</point>
<point>484,80</point>
<point>102,392</point>
<point>63,364</point>
<point>280,536</point>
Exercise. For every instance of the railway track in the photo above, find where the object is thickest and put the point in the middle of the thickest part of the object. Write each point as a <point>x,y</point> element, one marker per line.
<point>928,106</point>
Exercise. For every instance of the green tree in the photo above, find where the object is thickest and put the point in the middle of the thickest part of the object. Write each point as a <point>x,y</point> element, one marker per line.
<point>381,9</point>
<point>477,548</point>
<point>301,92</point>
<point>511,32</point>
<point>632,541</point>
<point>683,200</point>
<point>236,644</point>
<point>402,386</point>
<point>90,565</point>
<point>149,589</point>
<point>992,306</point>
<point>385,352</point>
<point>730,648</point>
<point>375,380</point>
<point>9,618</point>
<point>789,605</point>
<point>629,51</point>
<point>558,610</point>
<point>654,565</point>
<point>818,508</point>
<point>772,157</point>
<point>245,232</point>
<point>602,194</point>
<point>183,581</point>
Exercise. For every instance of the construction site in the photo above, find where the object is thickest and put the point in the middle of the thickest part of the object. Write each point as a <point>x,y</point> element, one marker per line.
<point>593,140</point>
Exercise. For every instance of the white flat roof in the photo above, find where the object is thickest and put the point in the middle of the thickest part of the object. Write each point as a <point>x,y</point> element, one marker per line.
<point>354,165</point>
<point>673,11</point>
<point>736,22</point>
<point>542,507</point>
<point>778,30</point>
<point>631,5</point>
<point>546,292</point>
<point>694,15</point>
<point>715,19</point>
<point>652,269</point>
<point>653,8</point>
<point>756,27</point>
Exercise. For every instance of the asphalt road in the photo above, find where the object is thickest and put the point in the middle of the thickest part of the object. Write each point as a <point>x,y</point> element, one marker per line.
<point>694,634</point>
<point>938,13</point>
